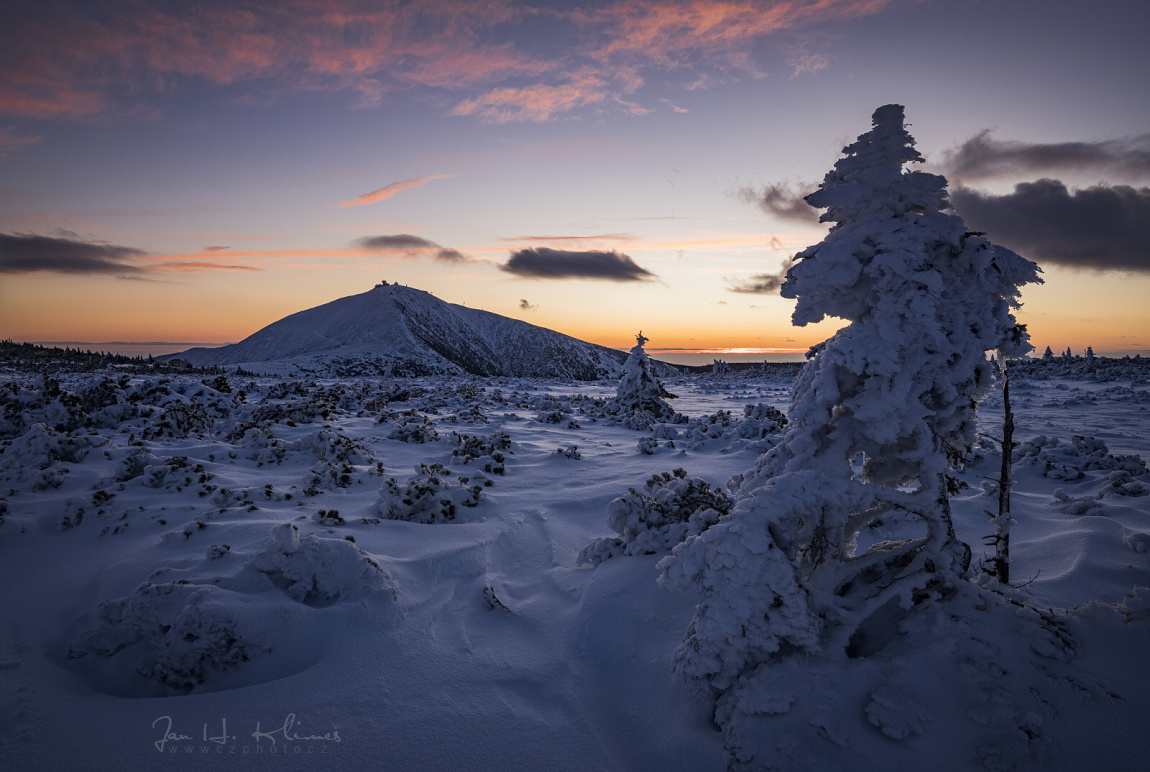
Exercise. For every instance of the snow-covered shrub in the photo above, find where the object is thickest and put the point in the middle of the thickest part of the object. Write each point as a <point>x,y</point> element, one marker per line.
<point>571,452</point>
<point>317,571</point>
<point>72,514</point>
<point>780,578</point>
<point>668,508</point>
<point>177,420</point>
<point>433,497</point>
<point>1060,461</point>
<point>135,464</point>
<point>486,451</point>
<point>262,446</point>
<point>1122,483</point>
<point>187,631</point>
<point>38,448</point>
<point>333,446</point>
<point>760,421</point>
<point>329,517</point>
<point>414,429</point>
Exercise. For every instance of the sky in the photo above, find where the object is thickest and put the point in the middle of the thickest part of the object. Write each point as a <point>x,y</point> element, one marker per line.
<point>189,172</point>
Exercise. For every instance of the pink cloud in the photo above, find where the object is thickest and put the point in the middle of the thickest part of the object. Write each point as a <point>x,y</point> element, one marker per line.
<point>73,64</point>
<point>387,191</point>
<point>10,140</point>
<point>538,102</point>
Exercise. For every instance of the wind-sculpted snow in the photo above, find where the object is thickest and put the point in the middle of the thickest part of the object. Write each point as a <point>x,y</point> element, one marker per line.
<point>246,568</point>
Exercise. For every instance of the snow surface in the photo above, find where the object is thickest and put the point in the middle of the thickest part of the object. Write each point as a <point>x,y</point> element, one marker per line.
<point>157,571</point>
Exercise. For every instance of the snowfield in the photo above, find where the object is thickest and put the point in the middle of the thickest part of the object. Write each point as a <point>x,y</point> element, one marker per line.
<point>217,572</point>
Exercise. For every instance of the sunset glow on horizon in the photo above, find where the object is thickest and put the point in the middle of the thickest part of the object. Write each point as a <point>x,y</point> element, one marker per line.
<point>194,173</point>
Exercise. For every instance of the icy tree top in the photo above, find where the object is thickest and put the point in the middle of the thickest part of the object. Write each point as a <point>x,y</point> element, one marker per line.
<point>925,297</point>
<point>872,164</point>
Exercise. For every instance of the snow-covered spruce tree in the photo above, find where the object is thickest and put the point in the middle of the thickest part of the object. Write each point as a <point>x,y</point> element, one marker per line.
<point>879,415</point>
<point>639,390</point>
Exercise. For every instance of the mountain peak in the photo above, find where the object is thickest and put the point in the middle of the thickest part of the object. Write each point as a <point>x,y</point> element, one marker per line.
<point>401,330</point>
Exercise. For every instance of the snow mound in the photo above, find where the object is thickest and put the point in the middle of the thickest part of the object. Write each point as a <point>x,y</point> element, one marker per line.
<point>180,632</point>
<point>316,571</point>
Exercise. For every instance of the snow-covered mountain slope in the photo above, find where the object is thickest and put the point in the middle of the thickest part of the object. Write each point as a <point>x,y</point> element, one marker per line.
<point>405,331</point>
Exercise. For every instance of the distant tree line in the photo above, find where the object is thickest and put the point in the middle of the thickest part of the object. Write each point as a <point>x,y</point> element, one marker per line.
<point>35,357</point>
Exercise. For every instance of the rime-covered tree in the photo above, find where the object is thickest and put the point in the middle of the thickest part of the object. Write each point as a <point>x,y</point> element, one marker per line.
<point>639,390</point>
<point>880,414</point>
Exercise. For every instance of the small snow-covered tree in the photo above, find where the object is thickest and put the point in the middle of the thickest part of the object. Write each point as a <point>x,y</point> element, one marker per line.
<point>1047,355</point>
<point>880,414</point>
<point>639,390</point>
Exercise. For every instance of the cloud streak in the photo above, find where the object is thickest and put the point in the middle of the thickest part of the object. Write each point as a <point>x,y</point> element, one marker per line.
<point>545,263</point>
<point>1100,227</point>
<point>387,191</point>
<point>29,253</point>
<point>535,103</point>
<point>782,200</point>
<point>407,245</point>
<point>982,156</point>
<point>23,253</point>
<point>763,283</point>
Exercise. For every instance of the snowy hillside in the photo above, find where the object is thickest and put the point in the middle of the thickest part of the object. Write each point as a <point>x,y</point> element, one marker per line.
<point>400,330</point>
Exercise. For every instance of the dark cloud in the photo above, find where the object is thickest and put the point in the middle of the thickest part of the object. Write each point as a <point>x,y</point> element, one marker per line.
<point>410,246</point>
<point>28,253</point>
<point>401,242</point>
<point>1100,227</point>
<point>215,249</point>
<point>525,306</point>
<point>544,263</point>
<point>782,200</point>
<point>763,283</point>
<point>983,156</point>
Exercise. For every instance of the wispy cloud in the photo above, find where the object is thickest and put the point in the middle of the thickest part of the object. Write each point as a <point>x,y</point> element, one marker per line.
<point>544,263</point>
<point>806,64</point>
<point>982,156</point>
<point>65,60</point>
<point>1099,227</point>
<point>387,191</point>
<point>763,283</point>
<point>782,200</point>
<point>537,102</point>
<point>215,249</point>
<point>10,140</point>
<point>410,246</point>
<point>525,306</point>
